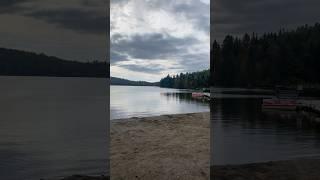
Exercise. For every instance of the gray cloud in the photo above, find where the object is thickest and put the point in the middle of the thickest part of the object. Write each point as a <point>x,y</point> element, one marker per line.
<point>89,16</point>
<point>150,46</point>
<point>238,17</point>
<point>170,38</point>
<point>192,62</point>
<point>117,57</point>
<point>194,10</point>
<point>75,19</point>
<point>152,69</point>
<point>201,19</point>
<point>10,3</point>
<point>75,29</point>
<point>11,6</point>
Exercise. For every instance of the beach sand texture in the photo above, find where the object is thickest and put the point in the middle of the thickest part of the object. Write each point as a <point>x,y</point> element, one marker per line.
<point>162,147</point>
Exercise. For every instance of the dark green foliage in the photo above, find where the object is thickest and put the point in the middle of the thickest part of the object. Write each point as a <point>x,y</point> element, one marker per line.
<point>21,63</point>
<point>187,81</point>
<point>283,58</point>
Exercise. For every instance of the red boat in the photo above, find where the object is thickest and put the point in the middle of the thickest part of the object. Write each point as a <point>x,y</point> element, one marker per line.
<point>200,95</point>
<point>197,94</point>
<point>286,99</point>
<point>276,103</point>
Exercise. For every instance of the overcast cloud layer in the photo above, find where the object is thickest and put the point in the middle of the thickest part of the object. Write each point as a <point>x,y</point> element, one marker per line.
<point>153,38</point>
<point>72,29</point>
<point>238,17</point>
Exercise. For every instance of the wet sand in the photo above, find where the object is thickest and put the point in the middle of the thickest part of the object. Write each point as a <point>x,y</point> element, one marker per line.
<point>161,147</point>
<point>299,169</point>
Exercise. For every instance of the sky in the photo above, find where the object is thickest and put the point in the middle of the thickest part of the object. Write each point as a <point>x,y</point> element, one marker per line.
<point>153,38</point>
<point>72,29</point>
<point>235,17</point>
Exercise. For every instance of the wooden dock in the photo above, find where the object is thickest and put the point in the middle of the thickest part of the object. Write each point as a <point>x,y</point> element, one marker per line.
<point>310,109</point>
<point>309,105</point>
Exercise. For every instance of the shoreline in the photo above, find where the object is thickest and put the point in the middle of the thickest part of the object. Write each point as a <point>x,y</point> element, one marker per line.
<point>176,146</point>
<point>156,117</point>
<point>161,147</point>
<point>304,169</point>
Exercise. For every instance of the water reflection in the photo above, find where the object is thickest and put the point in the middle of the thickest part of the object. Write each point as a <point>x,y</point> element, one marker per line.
<point>137,101</point>
<point>185,97</point>
<point>244,133</point>
<point>52,127</point>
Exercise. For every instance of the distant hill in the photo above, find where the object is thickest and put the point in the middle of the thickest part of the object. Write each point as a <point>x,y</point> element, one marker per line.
<point>125,82</point>
<point>22,63</point>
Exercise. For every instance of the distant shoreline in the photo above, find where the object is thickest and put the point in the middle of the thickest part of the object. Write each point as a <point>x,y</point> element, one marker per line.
<point>39,76</point>
<point>133,85</point>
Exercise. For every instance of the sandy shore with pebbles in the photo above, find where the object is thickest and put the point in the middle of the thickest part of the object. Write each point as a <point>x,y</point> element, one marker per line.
<point>161,147</point>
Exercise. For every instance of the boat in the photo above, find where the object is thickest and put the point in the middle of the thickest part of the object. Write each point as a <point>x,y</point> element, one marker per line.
<point>200,95</point>
<point>286,99</point>
<point>276,103</point>
<point>197,94</point>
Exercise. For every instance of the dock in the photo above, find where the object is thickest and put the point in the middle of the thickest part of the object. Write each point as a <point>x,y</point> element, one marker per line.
<point>310,109</point>
<point>309,105</point>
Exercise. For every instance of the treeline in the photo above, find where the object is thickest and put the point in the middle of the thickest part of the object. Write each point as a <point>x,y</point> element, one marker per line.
<point>187,80</point>
<point>282,58</point>
<point>125,82</point>
<point>21,63</point>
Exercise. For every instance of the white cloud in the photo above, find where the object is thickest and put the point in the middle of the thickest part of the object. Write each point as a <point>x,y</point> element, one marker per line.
<point>177,20</point>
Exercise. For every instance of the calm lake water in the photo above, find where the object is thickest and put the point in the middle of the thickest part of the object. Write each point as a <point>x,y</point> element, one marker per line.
<point>52,127</point>
<point>244,133</point>
<point>140,101</point>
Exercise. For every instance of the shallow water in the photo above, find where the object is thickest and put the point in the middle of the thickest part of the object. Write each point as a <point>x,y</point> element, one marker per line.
<point>143,101</point>
<point>52,127</point>
<point>244,133</point>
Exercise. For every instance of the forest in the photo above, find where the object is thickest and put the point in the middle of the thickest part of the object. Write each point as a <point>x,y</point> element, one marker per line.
<point>125,82</point>
<point>287,57</point>
<point>22,63</point>
<point>192,80</point>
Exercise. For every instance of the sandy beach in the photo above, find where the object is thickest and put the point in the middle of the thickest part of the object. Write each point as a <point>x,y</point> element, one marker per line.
<point>161,147</point>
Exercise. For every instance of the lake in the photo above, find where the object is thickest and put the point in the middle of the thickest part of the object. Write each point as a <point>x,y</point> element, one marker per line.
<point>143,101</point>
<point>241,132</point>
<point>52,127</point>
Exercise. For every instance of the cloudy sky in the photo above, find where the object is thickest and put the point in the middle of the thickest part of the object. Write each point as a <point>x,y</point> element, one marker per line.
<point>153,38</point>
<point>237,17</point>
<point>72,29</point>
